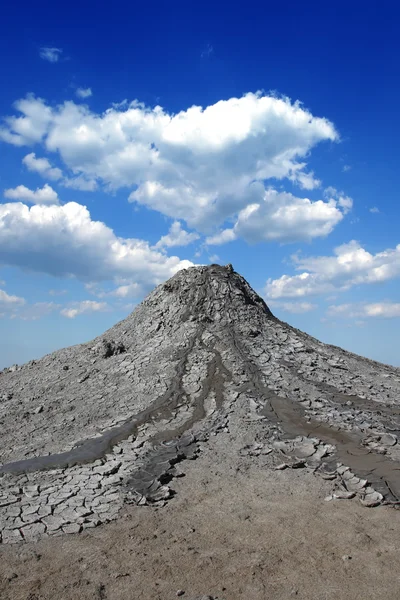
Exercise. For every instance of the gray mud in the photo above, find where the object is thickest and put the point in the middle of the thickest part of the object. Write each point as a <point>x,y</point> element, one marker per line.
<point>150,392</point>
<point>382,472</point>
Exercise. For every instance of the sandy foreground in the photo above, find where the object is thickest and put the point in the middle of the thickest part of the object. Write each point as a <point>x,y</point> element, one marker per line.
<point>234,530</point>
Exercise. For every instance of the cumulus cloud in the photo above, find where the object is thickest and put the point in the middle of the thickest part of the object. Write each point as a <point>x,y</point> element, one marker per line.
<point>176,237</point>
<point>201,165</point>
<point>31,127</point>
<point>41,166</point>
<point>44,195</point>
<point>84,92</point>
<point>64,241</point>
<point>84,307</point>
<point>50,54</point>
<point>374,209</point>
<point>282,217</point>
<point>350,265</point>
<point>376,309</point>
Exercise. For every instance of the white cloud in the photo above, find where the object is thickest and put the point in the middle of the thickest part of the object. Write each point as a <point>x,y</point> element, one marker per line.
<point>345,202</point>
<point>176,237</point>
<point>84,92</point>
<point>222,237</point>
<point>306,181</point>
<point>80,183</point>
<point>44,195</point>
<point>130,290</point>
<point>84,307</point>
<point>282,217</point>
<point>31,127</point>
<point>294,307</point>
<point>346,168</point>
<point>7,301</point>
<point>351,265</point>
<point>64,241</point>
<point>374,209</point>
<point>201,165</point>
<point>376,309</point>
<point>50,54</point>
<point>42,166</point>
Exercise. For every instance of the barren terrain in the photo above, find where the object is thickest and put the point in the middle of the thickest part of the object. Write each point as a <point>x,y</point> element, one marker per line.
<point>199,448</point>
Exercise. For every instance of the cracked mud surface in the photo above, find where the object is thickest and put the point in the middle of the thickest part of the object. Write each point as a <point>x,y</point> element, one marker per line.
<point>90,430</point>
<point>236,529</point>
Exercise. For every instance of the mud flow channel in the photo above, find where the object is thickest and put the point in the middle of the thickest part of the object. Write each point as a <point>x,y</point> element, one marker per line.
<point>382,472</point>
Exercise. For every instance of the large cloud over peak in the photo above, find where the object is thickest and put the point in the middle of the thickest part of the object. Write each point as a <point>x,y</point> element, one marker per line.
<point>198,165</point>
<point>64,241</point>
<point>282,217</point>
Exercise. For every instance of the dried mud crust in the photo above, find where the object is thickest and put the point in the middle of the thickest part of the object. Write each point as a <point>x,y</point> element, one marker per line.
<point>88,428</point>
<point>237,529</point>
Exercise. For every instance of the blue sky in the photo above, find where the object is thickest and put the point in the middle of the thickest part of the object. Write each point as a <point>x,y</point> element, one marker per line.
<point>138,140</point>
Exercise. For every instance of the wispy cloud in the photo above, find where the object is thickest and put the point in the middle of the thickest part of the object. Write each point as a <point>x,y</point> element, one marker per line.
<point>10,301</point>
<point>86,306</point>
<point>36,311</point>
<point>293,307</point>
<point>207,51</point>
<point>374,209</point>
<point>84,92</point>
<point>376,309</point>
<point>50,54</point>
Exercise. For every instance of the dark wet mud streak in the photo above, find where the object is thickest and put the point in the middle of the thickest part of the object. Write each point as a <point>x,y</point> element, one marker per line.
<point>92,449</point>
<point>381,472</point>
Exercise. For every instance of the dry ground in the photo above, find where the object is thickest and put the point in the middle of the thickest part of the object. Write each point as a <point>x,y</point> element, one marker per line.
<point>235,530</point>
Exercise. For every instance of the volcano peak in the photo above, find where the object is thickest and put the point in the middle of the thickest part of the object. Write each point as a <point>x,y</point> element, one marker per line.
<point>202,355</point>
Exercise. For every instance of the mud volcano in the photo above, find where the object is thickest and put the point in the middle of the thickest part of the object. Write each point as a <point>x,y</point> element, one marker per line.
<point>89,428</point>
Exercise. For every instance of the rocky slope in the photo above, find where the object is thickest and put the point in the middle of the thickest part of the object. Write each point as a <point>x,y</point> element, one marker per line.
<point>88,428</point>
